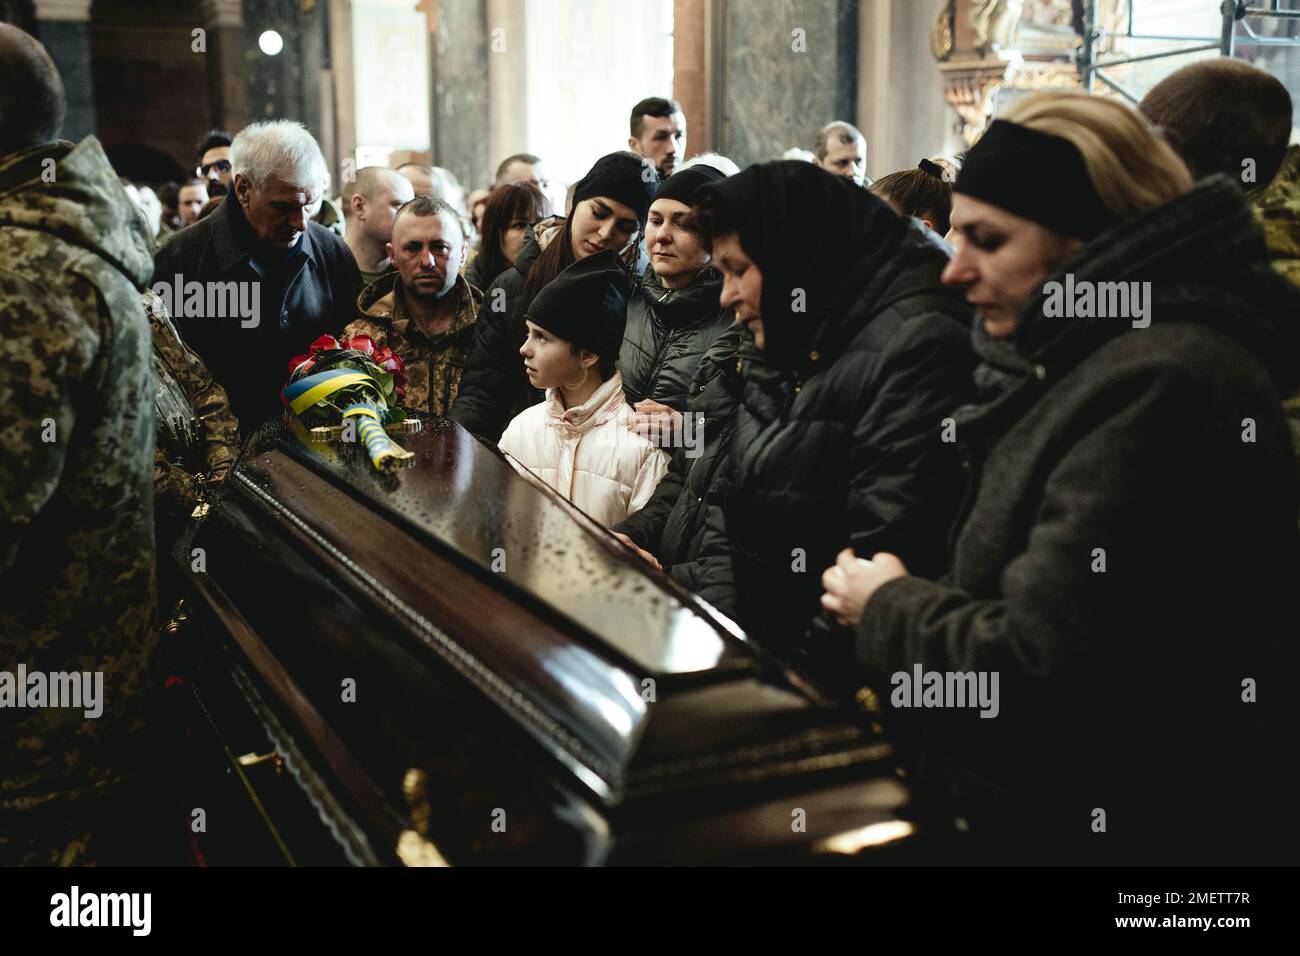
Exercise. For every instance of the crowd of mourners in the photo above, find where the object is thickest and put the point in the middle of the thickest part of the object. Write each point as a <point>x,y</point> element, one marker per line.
<point>1024,411</point>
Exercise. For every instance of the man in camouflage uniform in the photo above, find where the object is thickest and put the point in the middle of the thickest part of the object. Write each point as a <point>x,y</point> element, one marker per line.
<point>198,436</point>
<point>425,311</point>
<point>76,450</point>
<point>1277,207</point>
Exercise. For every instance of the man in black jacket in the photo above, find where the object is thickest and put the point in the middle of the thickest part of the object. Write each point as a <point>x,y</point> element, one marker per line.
<point>841,433</point>
<point>256,282</point>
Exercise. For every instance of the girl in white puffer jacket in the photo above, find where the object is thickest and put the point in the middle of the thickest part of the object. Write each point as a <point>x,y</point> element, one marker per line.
<point>577,441</point>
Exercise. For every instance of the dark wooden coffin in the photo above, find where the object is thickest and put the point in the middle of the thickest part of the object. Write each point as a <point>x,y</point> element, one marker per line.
<point>451,664</point>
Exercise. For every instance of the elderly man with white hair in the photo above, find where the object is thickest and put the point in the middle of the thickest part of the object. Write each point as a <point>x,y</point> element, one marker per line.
<point>254,283</point>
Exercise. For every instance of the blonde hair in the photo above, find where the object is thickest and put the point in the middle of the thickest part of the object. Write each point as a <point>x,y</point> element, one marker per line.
<point>1130,166</point>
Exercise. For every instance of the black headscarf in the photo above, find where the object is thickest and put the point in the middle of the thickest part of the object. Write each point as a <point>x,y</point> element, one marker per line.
<point>816,237</point>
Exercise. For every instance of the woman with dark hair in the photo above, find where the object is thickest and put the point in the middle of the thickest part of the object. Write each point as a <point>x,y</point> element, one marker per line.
<point>1123,580</point>
<point>609,209</point>
<point>511,209</point>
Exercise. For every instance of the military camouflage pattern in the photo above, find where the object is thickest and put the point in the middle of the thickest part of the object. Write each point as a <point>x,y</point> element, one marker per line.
<point>331,217</point>
<point>198,436</point>
<point>1277,207</point>
<point>76,511</point>
<point>433,365</point>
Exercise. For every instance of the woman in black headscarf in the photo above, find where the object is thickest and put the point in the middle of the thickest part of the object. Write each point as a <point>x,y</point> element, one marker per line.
<point>860,355</point>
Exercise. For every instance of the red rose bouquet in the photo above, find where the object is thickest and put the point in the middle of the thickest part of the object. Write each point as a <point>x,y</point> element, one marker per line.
<point>342,389</point>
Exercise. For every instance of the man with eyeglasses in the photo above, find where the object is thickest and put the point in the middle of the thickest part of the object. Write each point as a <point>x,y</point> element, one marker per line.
<point>214,162</point>
<point>425,311</point>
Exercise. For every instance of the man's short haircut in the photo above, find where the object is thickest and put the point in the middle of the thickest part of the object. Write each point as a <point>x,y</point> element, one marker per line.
<point>840,132</point>
<point>366,183</point>
<point>528,158</point>
<point>279,148</point>
<point>426,206</point>
<point>192,181</point>
<point>418,167</point>
<point>1218,113</point>
<point>32,100</point>
<point>212,139</point>
<point>655,106</point>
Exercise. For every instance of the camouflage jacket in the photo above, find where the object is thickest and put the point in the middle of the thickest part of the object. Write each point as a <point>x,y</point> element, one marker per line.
<point>1277,207</point>
<point>433,365</point>
<point>197,433</point>
<point>76,475</point>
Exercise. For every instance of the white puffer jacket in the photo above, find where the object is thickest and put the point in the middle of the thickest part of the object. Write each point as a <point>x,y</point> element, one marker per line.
<point>586,453</point>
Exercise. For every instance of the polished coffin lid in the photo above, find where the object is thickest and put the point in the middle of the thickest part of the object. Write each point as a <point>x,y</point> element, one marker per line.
<point>638,689</point>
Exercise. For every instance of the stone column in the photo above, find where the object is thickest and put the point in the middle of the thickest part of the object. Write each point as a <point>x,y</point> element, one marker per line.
<point>227,72</point>
<point>63,26</point>
<point>787,68</point>
<point>507,81</point>
<point>900,100</point>
<point>459,68</point>
<point>691,86</point>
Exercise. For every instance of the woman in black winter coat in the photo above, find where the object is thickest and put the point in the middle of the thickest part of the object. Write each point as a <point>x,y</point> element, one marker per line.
<point>609,210</point>
<point>674,317</point>
<point>1126,565</point>
<point>839,439</point>
<point>678,364</point>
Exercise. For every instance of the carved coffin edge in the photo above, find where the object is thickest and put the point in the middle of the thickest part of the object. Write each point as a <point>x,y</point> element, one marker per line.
<point>584,763</point>
<point>727,629</point>
<point>337,756</point>
<point>774,760</point>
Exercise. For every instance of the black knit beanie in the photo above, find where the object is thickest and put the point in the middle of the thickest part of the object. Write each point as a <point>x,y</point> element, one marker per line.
<point>586,304</point>
<point>682,184</point>
<point>622,176</point>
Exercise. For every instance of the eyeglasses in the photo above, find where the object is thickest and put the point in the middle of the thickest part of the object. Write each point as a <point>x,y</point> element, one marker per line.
<point>223,166</point>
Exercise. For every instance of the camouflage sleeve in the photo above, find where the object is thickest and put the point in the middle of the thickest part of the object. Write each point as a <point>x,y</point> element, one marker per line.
<point>211,407</point>
<point>174,489</point>
<point>43,358</point>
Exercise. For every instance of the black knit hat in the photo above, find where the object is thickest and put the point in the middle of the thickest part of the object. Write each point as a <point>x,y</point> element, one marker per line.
<point>586,304</point>
<point>682,184</point>
<point>622,176</point>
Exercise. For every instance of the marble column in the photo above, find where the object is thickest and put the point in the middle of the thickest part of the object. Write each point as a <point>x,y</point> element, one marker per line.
<point>224,22</point>
<point>900,99</point>
<point>691,71</point>
<point>787,68</point>
<point>459,67</point>
<point>63,26</point>
<point>341,140</point>
<point>507,114</point>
